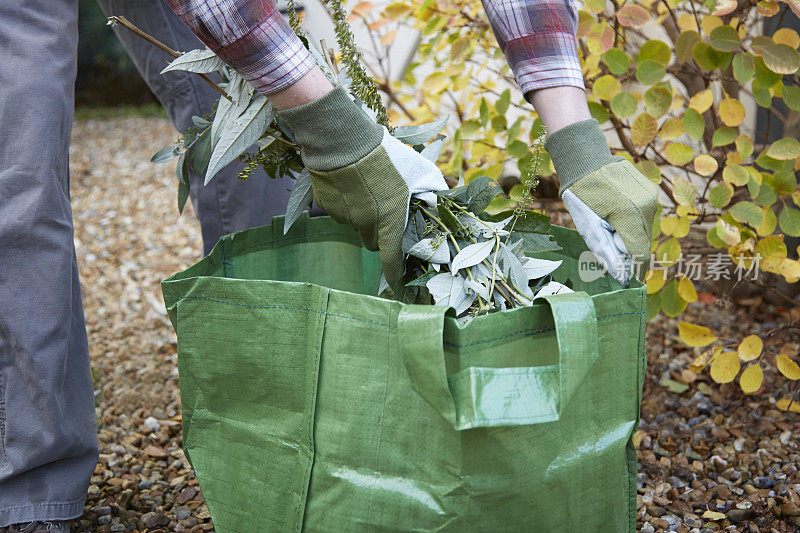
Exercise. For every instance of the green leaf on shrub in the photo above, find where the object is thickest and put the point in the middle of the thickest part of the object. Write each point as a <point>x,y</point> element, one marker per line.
<point>765,78</point>
<point>744,143</point>
<point>678,154</point>
<point>657,100</point>
<point>763,96</point>
<point>744,67</point>
<point>724,39</point>
<point>668,252</point>
<point>617,61</point>
<point>747,212</point>
<point>599,112</point>
<point>649,72</point>
<point>791,97</point>
<point>724,136</point>
<point>694,124</point>
<point>785,181</point>
<point>766,195</point>
<point>708,58</point>
<point>624,105</point>
<point>653,305</point>
<point>787,148</point>
<point>790,221</point>
<point>517,149</point>
<point>720,195</point>
<point>671,303</point>
<point>736,175</point>
<point>656,51</point>
<point>650,170</point>
<point>685,43</point>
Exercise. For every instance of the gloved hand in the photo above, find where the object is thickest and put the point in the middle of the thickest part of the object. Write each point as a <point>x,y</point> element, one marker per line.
<point>611,203</point>
<point>361,175</point>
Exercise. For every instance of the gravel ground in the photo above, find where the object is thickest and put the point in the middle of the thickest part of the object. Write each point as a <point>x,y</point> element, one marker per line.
<point>710,459</point>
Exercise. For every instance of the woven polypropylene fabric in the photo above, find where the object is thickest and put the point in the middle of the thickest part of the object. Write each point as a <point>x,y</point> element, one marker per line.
<point>310,405</point>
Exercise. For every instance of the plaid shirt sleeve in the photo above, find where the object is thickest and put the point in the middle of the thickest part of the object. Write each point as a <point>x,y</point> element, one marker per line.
<point>251,36</point>
<point>538,39</point>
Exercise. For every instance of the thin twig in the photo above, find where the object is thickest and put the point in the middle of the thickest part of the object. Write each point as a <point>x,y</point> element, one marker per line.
<point>114,20</point>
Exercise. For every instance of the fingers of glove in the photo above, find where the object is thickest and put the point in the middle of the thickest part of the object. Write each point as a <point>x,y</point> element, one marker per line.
<point>390,243</point>
<point>621,195</point>
<point>420,174</point>
<point>600,236</point>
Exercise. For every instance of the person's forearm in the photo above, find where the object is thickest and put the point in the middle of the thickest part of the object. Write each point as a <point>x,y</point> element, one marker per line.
<point>560,106</point>
<point>312,86</point>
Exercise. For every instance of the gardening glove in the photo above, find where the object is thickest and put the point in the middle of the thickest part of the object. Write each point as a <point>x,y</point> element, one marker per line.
<point>611,203</point>
<point>361,175</point>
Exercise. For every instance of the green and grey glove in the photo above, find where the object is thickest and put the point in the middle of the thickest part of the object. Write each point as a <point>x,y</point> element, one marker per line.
<point>361,175</point>
<point>611,203</point>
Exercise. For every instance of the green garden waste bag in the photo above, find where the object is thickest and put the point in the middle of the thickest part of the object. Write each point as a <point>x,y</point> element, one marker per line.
<point>309,404</point>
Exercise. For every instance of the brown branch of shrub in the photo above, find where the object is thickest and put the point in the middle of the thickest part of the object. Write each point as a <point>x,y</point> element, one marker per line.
<point>125,23</point>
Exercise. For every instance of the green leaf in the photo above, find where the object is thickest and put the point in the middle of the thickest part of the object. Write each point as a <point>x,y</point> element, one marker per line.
<point>694,124</point>
<point>599,112</point>
<point>448,217</point>
<point>655,50</point>
<point>617,61</point>
<point>534,243</point>
<point>657,100</point>
<point>678,154</point>
<point>484,112</point>
<point>649,72</point>
<point>747,212</point>
<point>671,303</point>
<point>781,58</point>
<point>182,173</point>
<point>653,305</point>
<point>200,61</point>
<point>422,133</point>
<point>502,103</point>
<point>480,192</point>
<point>624,105</point>
<point>517,149</point>
<point>240,135</point>
<point>724,39</point>
<point>765,78</point>
<point>763,96</point>
<point>789,220</point>
<point>524,222</point>
<point>744,67</point>
<point>299,199</point>
<point>724,136</point>
<point>720,195</point>
<point>787,148</point>
<point>422,280</point>
<point>199,152</point>
<point>674,386</point>
<point>708,58</point>
<point>163,155</point>
<point>791,97</point>
<point>685,43</point>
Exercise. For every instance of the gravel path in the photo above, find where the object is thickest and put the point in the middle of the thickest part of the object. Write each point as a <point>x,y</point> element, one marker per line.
<point>709,458</point>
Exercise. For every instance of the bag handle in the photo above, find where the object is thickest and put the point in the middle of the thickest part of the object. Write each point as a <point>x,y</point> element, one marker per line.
<point>492,397</point>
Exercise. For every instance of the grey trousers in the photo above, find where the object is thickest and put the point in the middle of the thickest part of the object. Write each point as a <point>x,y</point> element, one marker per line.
<point>48,443</point>
<point>226,204</point>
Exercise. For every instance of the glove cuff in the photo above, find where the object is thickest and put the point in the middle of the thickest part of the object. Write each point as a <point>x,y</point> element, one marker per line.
<point>332,131</point>
<point>577,150</point>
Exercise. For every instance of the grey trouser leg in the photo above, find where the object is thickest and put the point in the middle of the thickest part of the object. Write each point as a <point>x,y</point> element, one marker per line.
<point>48,442</point>
<point>226,204</point>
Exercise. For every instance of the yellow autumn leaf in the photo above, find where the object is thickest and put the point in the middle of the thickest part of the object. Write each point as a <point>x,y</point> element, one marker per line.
<point>750,348</point>
<point>703,359</point>
<point>702,101</point>
<point>705,165</point>
<point>396,10</point>
<point>725,366</point>
<point>786,404</point>
<point>686,289</point>
<point>751,379</point>
<point>436,82</point>
<point>644,129</point>
<point>787,367</point>
<point>786,36</point>
<point>655,280</point>
<point>694,335</point>
<point>731,111</point>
